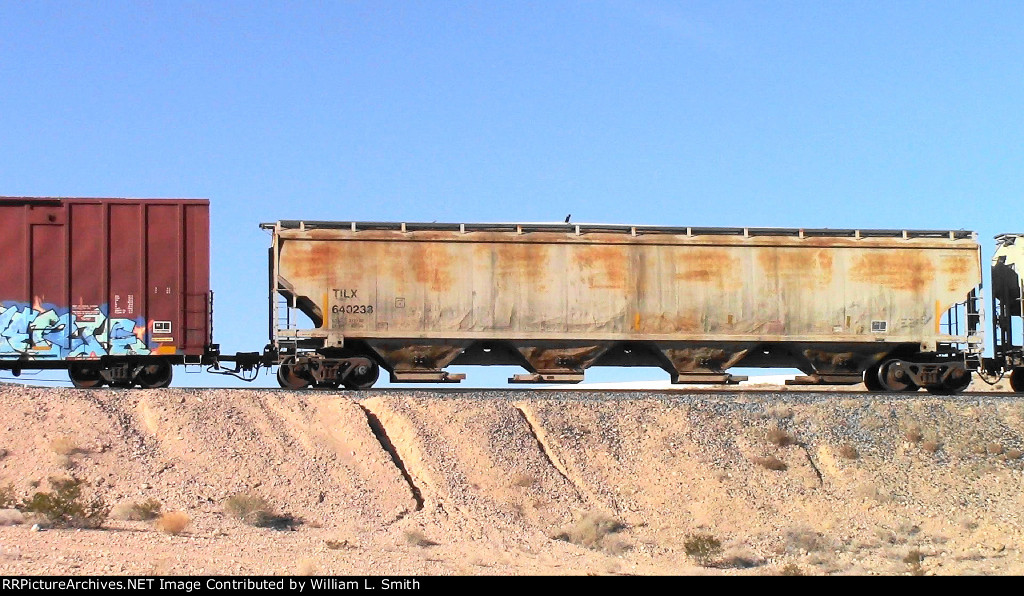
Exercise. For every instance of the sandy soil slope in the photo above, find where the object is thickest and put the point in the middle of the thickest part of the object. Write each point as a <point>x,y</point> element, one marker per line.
<point>523,483</point>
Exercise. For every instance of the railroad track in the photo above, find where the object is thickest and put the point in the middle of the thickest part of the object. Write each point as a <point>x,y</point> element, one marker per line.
<point>540,393</point>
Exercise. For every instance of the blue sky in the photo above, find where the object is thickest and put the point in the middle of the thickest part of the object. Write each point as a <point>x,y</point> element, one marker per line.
<point>795,114</point>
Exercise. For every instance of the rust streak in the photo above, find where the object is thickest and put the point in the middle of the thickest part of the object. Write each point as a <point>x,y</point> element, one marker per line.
<point>898,270</point>
<point>813,267</point>
<point>720,267</point>
<point>601,266</point>
<point>431,265</point>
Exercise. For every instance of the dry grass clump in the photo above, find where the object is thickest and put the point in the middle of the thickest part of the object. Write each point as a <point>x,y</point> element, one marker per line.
<point>703,548</point>
<point>143,511</point>
<point>805,540</point>
<point>417,538</point>
<point>848,451</point>
<point>914,559</point>
<point>591,531</point>
<point>779,437</point>
<point>913,434</point>
<point>64,445</point>
<point>65,506</point>
<point>173,522</point>
<point>931,446</point>
<point>772,463</point>
<point>523,480</point>
<point>8,500</point>
<point>791,569</point>
<point>256,511</point>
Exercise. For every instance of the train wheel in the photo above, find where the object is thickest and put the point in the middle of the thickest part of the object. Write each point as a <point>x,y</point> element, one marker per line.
<point>953,384</point>
<point>155,375</point>
<point>871,382</point>
<point>85,376</point>
<point>1017,380</point>
<point>363,376</point>
<point>290,376</point>
<point>893,377</point>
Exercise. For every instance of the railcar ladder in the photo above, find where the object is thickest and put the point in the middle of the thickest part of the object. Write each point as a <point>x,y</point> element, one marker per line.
<point>966,319</point>
<point>285,319</point>
<point>1003,346</point>
<point>198,320</point>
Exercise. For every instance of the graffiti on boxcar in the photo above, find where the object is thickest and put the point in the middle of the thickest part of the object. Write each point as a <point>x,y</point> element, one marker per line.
<point>42,331</point>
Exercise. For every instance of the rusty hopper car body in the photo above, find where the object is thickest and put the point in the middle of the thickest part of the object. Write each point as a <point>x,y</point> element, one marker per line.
<point>114,290</point>
<point>895,308</point>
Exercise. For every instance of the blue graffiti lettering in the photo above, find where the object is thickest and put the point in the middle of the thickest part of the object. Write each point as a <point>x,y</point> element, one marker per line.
<point>86,336</point>
<point>26,331</point>
<point>14,328</point>
<point>48,336</point>
<point>123,339</point>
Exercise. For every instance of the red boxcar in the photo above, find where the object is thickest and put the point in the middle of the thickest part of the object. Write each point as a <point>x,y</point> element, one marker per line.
<point>114,290</point>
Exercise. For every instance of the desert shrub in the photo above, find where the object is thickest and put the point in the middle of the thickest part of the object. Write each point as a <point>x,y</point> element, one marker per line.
<point>779,437</point>
<point>703,548</point>
<point>65,507</point>
<point>805,540</point>
<point>1013,454</point>
<point>994,449</point>
<point>8,500</point>
<point>791,569</point>
<point>772,463</point>
<point>913,434</point>
<point>914,559</point>
<point>523,480</point>
<point>848,451</point>
<point>931,446</point>
<point>417,538</point>
<point>172,522</point>
<point>256,511</point>
<point>591,530</point>
<point>64,445</point>
<point>144,511</point>
<point>739,562</point>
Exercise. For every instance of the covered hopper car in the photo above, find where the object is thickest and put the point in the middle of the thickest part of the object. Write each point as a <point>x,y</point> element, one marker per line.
<point>117,292</point>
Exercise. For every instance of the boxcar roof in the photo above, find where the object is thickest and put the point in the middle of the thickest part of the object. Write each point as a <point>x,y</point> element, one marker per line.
<point>57,200</point>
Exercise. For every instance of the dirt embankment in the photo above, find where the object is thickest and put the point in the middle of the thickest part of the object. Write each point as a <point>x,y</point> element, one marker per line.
<point>511,482</point>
